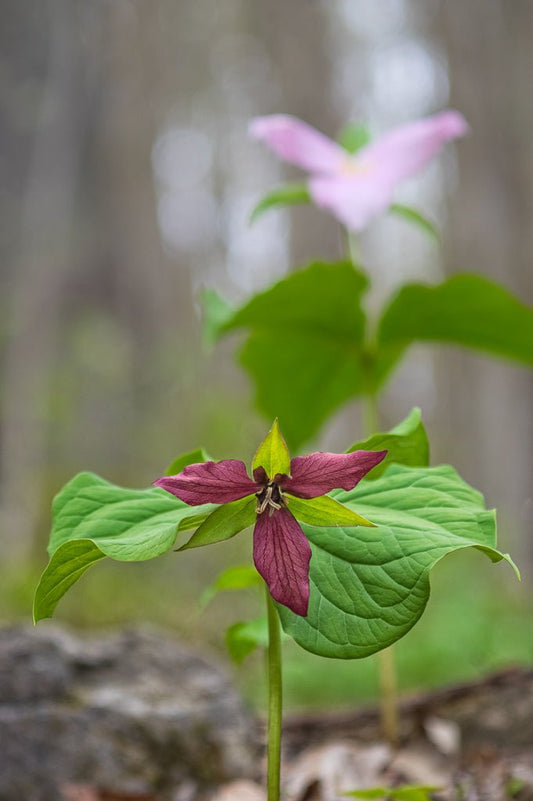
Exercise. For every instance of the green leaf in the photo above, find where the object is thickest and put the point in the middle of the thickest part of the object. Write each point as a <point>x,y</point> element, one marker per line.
<point>222,524</point>
<point>408,792</point>
<point>465,310</point>
<point>305,346</point>
<point>93,518</point>
<point>353,137</point>
<point>324,511</point>
<point>413,792</point>
<point>243,638</point>
<point>414,216</point>
<point>290,194</point>
<point>369,586</point>
<point>191,457</point>
<point>238,577</point>
<point>273,455</point>
<point>215,314</point>
<point>407,443</point>
<point>66,566</point>
<point>126,524</point>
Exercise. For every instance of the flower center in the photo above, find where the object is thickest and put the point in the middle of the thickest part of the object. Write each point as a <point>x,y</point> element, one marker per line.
<point>270,497</point>
<point>352,166</point>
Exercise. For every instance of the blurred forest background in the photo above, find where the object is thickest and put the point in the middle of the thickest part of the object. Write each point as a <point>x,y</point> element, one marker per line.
<point>127,180</point>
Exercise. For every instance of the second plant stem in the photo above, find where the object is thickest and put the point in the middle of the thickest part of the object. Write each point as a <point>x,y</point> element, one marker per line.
<point>386,663</point>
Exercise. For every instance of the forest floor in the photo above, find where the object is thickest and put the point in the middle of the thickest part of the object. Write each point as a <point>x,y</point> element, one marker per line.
<point>468,742</point>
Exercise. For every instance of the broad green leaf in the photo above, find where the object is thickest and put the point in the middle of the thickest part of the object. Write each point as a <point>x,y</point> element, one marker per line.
<point>243,638</point>
<point>466,310</point>
<point>324,511</point>
<point>305,346</point>
<point>222,524</point>
<point>93,518</point>
<point>414,216</point>
<point>215,314</point>
<point>353,137</point>
<point>238,577</point>
<point>192,457</point>
<point>407,443</point>
<point>273,455</point>
<point>66,566</point>
<point>126,524</point>
<point>290,194</point>
<point>369,586</point>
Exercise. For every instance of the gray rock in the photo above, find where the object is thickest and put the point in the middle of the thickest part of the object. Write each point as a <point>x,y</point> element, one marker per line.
<point>134,712</point>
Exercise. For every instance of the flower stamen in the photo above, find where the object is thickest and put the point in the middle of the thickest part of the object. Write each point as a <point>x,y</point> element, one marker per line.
<point>270,497</point>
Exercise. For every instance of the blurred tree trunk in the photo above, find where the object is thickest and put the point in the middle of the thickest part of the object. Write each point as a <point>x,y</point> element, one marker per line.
<point>491,74</point>
<point>139,75</point>
<point>152,293</point>
<point>43,257</point>
<point>296,35</point>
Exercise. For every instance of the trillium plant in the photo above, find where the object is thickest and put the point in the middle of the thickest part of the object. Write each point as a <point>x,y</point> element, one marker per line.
<point>343,544</point>
<point>281,492</point>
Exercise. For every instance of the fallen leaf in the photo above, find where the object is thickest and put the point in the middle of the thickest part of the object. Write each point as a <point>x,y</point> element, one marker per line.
<point>89,792</point>
<point>240,791</point>
<point>79,792</point>
<point>444,734</point>
<point>421,765</point>
<point>331,770</point>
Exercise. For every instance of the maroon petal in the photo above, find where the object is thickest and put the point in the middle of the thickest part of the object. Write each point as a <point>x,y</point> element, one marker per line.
<point>281,555</point>
<point>210,482</point>
<point>318,473</point>
<point>260,476</point>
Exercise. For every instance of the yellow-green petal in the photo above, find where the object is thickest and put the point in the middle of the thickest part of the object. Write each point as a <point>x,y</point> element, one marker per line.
<point>223,523</point>
<point>324,511</point>
<point>273,455</point>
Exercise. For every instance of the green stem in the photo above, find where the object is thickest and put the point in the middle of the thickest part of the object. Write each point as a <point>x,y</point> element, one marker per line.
<point>388,695</point>
<point>370,415</point>
<point>386,661</point>
<point>354,251</point>
<point>274,701</point>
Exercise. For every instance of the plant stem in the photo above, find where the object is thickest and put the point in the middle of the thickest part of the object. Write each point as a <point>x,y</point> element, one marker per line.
<point>354,252</point>
<point>274,701</point>
<point>388,694</point>
<point>386,663</point>
<point>370,414</point>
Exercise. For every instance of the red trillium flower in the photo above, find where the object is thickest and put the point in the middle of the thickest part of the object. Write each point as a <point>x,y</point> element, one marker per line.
<point>282,491</point>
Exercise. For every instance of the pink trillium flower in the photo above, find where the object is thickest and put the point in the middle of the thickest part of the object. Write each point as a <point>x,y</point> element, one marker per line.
<point>281,550</point>
<point>355,188</point>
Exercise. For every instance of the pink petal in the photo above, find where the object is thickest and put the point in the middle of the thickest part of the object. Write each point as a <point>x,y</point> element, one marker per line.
<point>298,143</point>
<point>352,198</point>
<point>210,482</point>
<point>319,473</point>
<point>282,555</point>
<point>406,150</point>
